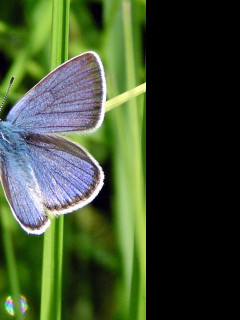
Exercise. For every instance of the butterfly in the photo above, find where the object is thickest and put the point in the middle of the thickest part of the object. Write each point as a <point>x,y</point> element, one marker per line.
<point>41,171</point>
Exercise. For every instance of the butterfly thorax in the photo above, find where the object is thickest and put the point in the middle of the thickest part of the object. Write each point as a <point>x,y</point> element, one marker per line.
<point>11,138</point>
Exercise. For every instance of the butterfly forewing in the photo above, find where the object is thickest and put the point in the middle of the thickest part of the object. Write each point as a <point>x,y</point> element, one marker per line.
<point>71,98</point>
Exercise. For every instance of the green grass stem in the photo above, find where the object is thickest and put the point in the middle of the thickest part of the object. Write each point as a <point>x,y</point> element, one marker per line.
<point>51,300</point>
<point>136,172</point>
<point>122,49</point>
<point>124,97</point>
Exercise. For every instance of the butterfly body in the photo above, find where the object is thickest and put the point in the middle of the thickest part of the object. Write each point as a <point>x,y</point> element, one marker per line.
<point>12,146</point>
<point>40,170</point>
<point>11,139</point>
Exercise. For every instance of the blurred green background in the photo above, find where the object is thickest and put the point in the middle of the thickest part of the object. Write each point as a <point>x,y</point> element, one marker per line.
<point>103,275</point>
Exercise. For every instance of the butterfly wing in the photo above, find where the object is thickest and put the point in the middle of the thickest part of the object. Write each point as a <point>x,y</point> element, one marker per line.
<point>54,174</point>
<point>67,175</point>
<point>23,194</point>
<point>70,98</point>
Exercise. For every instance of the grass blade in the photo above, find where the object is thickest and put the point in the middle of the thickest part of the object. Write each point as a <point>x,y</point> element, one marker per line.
<point>53,238</point>
<point>137,306</point>
<point>122,50</point>
<point>124,97</point>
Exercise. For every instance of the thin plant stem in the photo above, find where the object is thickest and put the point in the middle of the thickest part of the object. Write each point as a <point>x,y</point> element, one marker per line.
<point>124,97</point>
<point>51,299</point>
<point>137,305</point>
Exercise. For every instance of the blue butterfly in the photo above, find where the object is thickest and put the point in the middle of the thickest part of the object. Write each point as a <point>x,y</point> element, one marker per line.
<point>40,170</point>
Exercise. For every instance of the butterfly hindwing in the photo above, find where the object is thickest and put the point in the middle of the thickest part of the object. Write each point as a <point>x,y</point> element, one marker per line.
<point>67,175</point>
<point>24,197</point>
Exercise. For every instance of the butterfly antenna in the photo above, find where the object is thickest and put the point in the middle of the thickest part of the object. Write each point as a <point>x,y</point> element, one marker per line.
<point>10,84</point>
